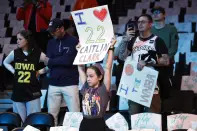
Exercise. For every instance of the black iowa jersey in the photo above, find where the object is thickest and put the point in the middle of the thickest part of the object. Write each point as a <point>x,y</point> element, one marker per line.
<point>26,85</point>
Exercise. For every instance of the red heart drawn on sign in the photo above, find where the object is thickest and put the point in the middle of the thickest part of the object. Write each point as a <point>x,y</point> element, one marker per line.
<point>101,15</point>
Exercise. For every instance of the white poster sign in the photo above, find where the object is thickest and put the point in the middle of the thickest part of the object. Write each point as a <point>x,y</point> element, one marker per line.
<point>73,119</point>
<point>30,128</point>
<point>63,128</point>
<point>146,121</point>
<point>135,85</point>
<point>117,122</point>
<point>181,121</point>
<point>95,31</point>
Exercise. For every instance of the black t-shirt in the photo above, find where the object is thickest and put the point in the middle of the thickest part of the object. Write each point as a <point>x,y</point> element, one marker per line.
<point>26,85</point>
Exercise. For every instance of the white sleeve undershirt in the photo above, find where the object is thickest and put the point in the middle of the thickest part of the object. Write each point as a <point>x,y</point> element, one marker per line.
<point>7,62</point>
<point>42,59</point>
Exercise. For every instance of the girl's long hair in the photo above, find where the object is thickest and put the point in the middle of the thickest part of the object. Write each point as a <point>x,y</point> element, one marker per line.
<point>28,36</point>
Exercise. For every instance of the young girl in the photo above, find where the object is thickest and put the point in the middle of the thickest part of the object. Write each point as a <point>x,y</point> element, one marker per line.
<point>26,91</point>
<point>96,88</point>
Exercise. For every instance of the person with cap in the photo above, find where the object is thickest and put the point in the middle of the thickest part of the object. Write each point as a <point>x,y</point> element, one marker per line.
<point>36,15</point>
<point>96,92</point>
<point>169,34</point>
<point>63,75</point>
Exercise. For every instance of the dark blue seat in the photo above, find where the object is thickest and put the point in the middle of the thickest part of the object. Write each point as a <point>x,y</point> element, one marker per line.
<point>10,119</point>
<point>40,120</point>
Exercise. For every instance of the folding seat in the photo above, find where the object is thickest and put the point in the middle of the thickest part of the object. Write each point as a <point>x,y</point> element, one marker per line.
<point>4,9</point>
<point>69,2</point>
<point>58,8</point>
<point>2,16</point>
<point>172,19</point>
<point>1,42</point>
<point>7,48</point>
<point>40,120</point>
<point>194,4</point>
<point>142,5</point>
<point>10,119</point>
<point>119,29</point>
<point>65,15</point>
<point>172,11</point>
<point>190,18</point>
<point>12,16</point>
<point>181,3</point>
<point>16,23</point>
<point>2,24</point>
<point>16,29</point>
<point>184,27</point>
<point>18,3</point>
<point>124,20</point>
<point>55,2</point>
<point>4,2</point>
<point>3,32</point>
<point>54,14</point>
<point>135,12</point>
<point>191,10</point>
<point>164,4</point>
<point>7,40</point>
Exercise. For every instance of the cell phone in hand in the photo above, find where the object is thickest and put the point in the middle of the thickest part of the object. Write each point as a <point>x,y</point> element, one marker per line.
<point>131,26</point>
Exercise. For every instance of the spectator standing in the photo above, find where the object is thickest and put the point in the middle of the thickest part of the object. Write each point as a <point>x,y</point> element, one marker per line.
<point>96,93</point>
<point>145,49</point>
<point>64,76</point>
<point>170,36</point>
<point>26,92</point>
<point>36,15</point>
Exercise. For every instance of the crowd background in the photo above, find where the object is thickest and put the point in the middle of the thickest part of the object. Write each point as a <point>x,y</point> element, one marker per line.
<point>180,13</point>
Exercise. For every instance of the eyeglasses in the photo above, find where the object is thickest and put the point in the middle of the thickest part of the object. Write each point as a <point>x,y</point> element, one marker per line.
<point>156,12</point>
<point>142,22</point>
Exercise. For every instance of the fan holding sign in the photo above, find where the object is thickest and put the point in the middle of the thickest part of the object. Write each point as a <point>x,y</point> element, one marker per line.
<point>139,78</point>
<point>95,29</point>
<point>95,32</point>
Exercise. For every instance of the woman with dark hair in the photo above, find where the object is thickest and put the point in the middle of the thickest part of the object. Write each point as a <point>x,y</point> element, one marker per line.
<point>96,93</point>
<point>26,91</point>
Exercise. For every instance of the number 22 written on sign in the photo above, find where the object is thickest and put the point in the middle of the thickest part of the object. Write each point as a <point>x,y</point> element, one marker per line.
<point>99,38</point>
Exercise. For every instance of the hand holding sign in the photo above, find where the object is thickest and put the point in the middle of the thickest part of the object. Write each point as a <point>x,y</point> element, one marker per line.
<point>95,29</point>
<point>135,85</point>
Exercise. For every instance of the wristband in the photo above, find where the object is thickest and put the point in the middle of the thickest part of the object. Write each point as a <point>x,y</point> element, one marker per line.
<point>111,48</point>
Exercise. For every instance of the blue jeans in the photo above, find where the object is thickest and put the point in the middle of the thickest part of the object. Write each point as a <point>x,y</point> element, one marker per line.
<point>56,94</point>
<point>26,108</point>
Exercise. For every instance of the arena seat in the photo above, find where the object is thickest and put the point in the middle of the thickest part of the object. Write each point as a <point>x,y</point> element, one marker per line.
<point>10,119</point>
<point>41,120</point>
